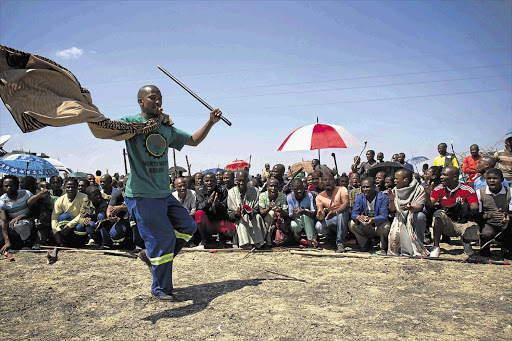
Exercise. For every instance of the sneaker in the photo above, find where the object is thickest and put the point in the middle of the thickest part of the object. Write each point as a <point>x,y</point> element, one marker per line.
<point>434,253</point>
<point>164,297</point>
<point>468,250</point>
<point>340,249</point>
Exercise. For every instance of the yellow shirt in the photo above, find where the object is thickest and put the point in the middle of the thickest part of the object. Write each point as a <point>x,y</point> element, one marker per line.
<point>63,205</point>
<point>439,161</point>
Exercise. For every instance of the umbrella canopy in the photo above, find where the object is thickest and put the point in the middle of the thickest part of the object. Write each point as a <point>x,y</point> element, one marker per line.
<point>319,136</point>
<point>77,175</point>
<point>237,165</point>
<point>178,169</point>
<point>26,164</point>
<point>308,167</point>
<point>212,170</point>
<point>388,167</point>
<point>417,159</point>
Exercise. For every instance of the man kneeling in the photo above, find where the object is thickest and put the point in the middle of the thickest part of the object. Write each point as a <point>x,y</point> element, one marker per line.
<point>370,216</point>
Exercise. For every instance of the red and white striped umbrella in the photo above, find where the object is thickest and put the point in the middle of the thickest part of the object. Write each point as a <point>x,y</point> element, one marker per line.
<point>237,165</point>
<point>319,136</point>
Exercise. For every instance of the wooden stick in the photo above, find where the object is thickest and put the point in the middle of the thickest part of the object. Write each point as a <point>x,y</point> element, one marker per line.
<point>188,165</point>
<point>192,93</point>
<point>111,252</point>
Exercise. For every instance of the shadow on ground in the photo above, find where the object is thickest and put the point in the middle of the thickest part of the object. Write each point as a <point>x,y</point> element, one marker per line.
<point>203,294</point>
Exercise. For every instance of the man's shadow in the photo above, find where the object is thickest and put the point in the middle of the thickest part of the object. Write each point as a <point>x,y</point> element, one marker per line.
<point>203,294</point>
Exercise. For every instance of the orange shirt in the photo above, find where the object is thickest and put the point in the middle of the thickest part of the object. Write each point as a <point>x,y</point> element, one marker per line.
<point>334,200</point>
<point>469,164</point>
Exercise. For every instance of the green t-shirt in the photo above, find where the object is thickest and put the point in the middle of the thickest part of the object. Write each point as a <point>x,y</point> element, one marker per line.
<point>149,166</point>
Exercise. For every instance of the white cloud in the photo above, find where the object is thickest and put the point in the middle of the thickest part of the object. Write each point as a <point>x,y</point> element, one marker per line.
<point>72,53</point>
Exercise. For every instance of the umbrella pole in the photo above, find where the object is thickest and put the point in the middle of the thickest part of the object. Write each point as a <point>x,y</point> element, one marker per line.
<point>26,170</point>
<point>416,166</point>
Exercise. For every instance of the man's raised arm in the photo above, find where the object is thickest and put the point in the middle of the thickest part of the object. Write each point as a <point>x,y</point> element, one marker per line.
<point>200,135</point>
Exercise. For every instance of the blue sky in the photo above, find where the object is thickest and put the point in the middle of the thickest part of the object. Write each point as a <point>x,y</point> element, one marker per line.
<point>403,75</point>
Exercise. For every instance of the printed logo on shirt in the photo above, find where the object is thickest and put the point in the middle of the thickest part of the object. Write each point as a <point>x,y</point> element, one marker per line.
<point>156,144</point>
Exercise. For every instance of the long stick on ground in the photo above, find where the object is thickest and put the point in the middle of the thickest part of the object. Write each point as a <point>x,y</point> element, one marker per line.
<point>110,252</point>
<point>192,93</point>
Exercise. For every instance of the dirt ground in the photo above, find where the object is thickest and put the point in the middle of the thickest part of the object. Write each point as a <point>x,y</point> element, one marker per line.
<point>265,296</point>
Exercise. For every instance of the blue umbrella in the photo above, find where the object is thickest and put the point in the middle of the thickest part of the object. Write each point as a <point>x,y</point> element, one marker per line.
<point>26,164</point>
<point>417,159</point>
<point>509,131</point>
<point>213,170</point>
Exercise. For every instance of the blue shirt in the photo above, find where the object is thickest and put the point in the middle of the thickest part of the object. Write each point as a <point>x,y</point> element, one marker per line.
<point>307,202</point>
<point>381,207</point>
<point>479,183</point>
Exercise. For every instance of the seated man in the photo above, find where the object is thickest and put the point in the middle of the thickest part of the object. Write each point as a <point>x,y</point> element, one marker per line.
<point>401,160</point>
<point>274,209</point>
<point>191,183</point>
<point>354,189</point>
<point>185,196</point>
<point>365,166</point>
<point>56,183</point>
<point>380,157</point>
<point>14,211</point>
<point>314,186</point>
<point>65,215</point>
<point>243,211</point>
<point>380,181</point>
<point>41,206</point>
<point>451,217</point>
<point>92,179</point>
<point>278,173</point>
<point>301,209</point>
<point>344,181</point>
<point>218,176</point>
<point>229,179</point>
<point>198,179</point>
<point>212,213</point>
<point>82,185</point>
<point>93,217</point>
<point>485,163</point>
<point>124,227</point>
<point>470,162</point>
<point>407,231</point>
<point>332,211</point>
<point>495,205</point>
<point>370,216</point>
<point>445,159</point>
<point>106,185</point>
<point>504,159</point>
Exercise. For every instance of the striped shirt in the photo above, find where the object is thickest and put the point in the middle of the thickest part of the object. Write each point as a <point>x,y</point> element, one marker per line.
<point>504,162</point>
<point>15,208</point>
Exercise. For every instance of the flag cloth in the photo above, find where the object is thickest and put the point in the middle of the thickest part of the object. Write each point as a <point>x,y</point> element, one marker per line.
<point>39,93</point>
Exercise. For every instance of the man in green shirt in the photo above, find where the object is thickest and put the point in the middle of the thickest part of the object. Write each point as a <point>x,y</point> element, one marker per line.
<point>164,224</point>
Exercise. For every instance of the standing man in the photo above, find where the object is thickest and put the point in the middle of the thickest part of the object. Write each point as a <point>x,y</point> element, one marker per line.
<point>164,224</point>
<point>445,159</point>
<point>504,159</point>
<point>470,162</point>
<point>365,166</point>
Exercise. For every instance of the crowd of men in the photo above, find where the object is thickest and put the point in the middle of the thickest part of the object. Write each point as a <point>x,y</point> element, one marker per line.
<point>390,211</point>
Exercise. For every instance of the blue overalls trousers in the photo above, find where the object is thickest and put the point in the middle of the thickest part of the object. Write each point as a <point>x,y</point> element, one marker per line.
<point>165,226</point>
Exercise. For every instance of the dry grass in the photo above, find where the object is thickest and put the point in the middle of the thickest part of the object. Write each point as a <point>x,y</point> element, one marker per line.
<point>266,296</point>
